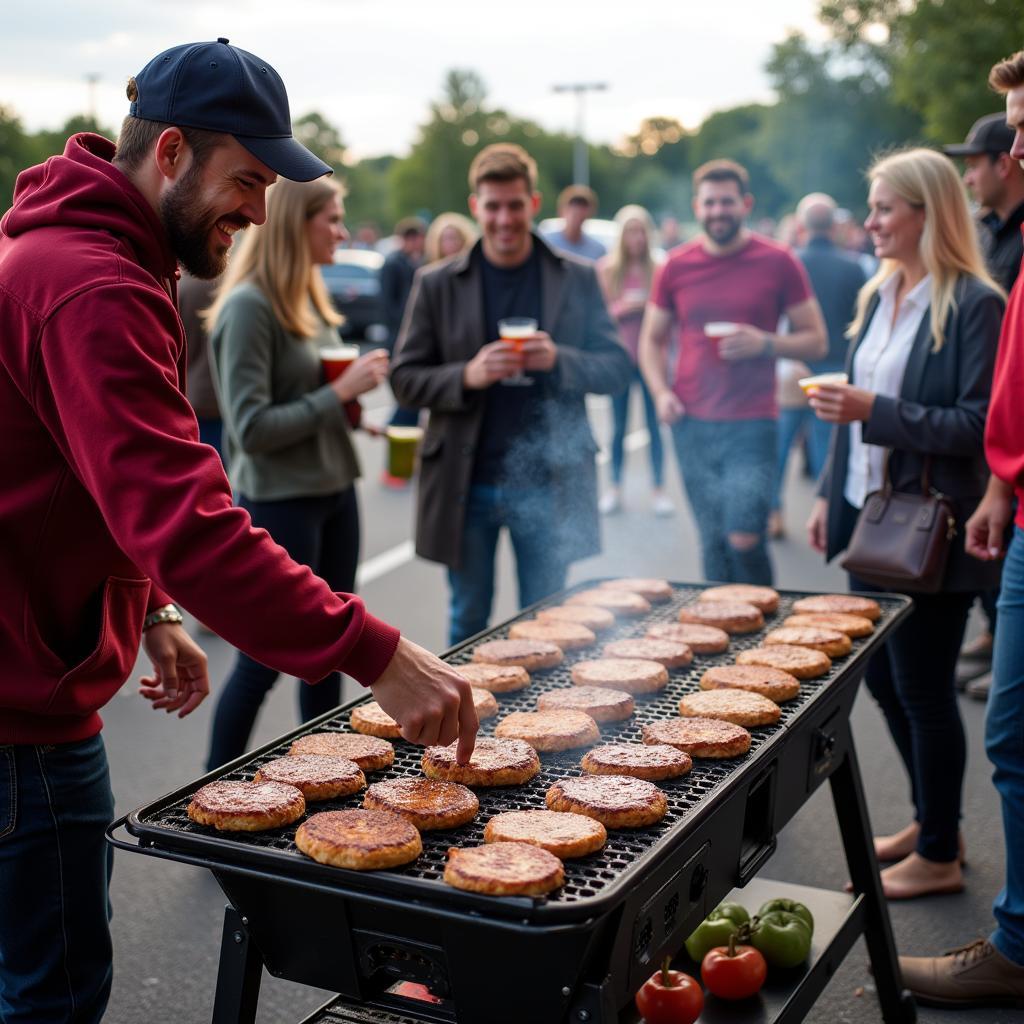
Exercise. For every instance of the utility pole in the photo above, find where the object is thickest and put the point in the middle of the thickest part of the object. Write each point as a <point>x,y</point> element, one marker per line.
<point>91,78</point>
<point>580,157</point>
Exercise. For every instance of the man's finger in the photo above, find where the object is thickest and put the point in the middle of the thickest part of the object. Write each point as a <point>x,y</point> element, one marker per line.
<point>195,699</point>
<point>468,725</point>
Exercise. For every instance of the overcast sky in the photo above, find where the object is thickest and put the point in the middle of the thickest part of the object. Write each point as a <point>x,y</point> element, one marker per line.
<point>372,66</point>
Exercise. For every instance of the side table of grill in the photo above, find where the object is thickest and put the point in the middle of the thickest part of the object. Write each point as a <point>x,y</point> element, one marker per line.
<point>401,946</point>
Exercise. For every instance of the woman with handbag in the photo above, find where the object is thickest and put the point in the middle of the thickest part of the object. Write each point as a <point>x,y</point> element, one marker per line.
<point>287,431</point>
<point>906,469</point>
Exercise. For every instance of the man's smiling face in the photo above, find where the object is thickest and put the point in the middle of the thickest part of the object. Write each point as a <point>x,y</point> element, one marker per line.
<point>208,203</point>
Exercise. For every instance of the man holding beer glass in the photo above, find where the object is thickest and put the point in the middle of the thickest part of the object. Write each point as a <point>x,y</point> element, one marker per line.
<point>519,458</point>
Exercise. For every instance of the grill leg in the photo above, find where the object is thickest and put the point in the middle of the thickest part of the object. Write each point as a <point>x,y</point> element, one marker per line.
<point>897,1003</point>
<point>239,973</point>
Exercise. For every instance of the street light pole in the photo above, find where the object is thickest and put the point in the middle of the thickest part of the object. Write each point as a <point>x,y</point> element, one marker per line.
<point>580,156</point>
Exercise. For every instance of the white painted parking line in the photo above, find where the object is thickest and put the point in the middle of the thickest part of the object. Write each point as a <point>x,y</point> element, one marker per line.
<point>401,554</point>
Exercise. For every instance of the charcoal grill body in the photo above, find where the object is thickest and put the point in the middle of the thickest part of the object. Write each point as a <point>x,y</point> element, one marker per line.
<point>581,953</point>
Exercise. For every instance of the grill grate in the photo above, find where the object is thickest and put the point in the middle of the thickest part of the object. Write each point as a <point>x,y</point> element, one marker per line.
<point>585,877</point>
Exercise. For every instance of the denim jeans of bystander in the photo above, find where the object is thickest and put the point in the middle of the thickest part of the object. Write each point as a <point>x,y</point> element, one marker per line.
<point>55,948</point>
<point>728,470</point>
<point>540,570</point>
<point>1004,742</point>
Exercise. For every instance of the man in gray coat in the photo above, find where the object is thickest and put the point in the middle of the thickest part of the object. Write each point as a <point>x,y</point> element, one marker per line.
<point>501,450</point>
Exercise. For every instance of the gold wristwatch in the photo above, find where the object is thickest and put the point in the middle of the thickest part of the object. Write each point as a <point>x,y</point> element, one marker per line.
<point>167,614</point>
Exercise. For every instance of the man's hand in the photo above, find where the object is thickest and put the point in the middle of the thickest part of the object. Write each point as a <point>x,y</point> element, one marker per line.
<point>985,529</point>
<point>746,342</point>
<point>431,702</point>
<point>180,681</point>
<point>494,362</point>
<point>817,525</point>
<point>841,403</point>
<point>539,352</point>
<point>668,406</point>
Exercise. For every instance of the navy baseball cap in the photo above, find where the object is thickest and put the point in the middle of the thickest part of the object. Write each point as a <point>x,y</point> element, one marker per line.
<point>220,88</point>
<point>989,134</point>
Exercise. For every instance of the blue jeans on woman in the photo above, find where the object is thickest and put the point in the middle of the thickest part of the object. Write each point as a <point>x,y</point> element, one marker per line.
<point>728,468</point>
<point>620,412</point>
<point>55,948</point>
<point>1004,743</point>
<point>540,571</point>
<point>323,533</point>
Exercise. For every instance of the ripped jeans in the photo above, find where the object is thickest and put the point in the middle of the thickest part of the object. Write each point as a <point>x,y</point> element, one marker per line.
<point>728,470</point>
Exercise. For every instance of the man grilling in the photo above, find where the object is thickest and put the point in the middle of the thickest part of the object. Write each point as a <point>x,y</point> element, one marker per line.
<point>111,507</point>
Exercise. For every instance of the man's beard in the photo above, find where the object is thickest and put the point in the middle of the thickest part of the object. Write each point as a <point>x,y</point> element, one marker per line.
<point>722,230</point>
<point>188,225</point>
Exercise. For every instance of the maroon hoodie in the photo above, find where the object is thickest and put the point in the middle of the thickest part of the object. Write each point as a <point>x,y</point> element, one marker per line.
<point>104,484</point>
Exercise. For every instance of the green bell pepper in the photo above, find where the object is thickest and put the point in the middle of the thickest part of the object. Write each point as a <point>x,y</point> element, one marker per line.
<point>715,930</point>
<point>782,937</point>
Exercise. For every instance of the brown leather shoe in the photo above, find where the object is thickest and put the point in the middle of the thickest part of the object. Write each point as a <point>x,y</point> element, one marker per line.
<point>973,975</point>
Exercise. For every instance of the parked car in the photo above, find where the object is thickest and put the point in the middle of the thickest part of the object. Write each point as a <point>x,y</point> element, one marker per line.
<point>353,281</point>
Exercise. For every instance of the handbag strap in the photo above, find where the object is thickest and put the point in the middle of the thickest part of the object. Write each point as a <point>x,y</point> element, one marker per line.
<point>926,481</point>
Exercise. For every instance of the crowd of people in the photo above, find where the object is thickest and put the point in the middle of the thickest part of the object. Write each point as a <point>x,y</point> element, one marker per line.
<point>131,501</point>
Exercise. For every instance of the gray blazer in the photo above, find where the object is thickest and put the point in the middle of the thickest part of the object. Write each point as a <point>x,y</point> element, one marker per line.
<point>443,329</point>
<point>940,411</point>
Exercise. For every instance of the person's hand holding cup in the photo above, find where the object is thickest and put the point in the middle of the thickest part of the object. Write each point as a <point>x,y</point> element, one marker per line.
<point>353,375</point>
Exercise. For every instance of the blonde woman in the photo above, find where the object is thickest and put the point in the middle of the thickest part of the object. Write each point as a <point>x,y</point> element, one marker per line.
<point>287,443</point>
<point>448,235</point>
<point>626,274</point>
<point>920,372</point>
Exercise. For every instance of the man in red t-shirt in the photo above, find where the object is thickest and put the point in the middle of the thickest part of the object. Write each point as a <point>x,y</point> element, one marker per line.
<point>728,290</point>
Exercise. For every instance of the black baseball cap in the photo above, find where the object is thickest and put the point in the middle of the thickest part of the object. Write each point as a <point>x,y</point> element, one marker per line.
<point>989,134</point>
<point>220,88</point>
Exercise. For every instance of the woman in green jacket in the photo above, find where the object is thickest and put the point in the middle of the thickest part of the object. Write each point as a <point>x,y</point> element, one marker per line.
<point>286,434</point>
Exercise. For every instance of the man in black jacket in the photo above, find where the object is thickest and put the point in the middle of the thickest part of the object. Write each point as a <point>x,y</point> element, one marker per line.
<point>495,456</point>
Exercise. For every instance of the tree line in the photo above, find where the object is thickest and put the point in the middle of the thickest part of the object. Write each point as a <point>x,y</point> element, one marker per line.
<point>893,73</point>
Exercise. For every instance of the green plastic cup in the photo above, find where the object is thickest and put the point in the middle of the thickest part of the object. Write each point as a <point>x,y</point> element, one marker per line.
<point>402,445</point>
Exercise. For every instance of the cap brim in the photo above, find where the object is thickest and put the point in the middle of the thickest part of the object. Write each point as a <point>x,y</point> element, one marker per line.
<point>963,149</point>
<point>287,157</point>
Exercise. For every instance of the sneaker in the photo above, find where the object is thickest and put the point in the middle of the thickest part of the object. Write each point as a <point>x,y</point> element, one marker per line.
<point>978,688</point>
<point>609,503</point>
<point>661,505</point>
<point>973,975</point>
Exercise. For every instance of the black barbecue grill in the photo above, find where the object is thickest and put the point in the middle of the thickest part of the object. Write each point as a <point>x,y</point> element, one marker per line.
<point>581,952</point>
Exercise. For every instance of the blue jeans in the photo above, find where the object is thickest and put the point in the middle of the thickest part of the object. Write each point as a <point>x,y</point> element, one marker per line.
<point>620,411</point>
<point>728,469</point>
<point>323,533</point>
<point>55,949</point>
<point>1004,743</point>
<point>818,433</point>
<point>539,569</point>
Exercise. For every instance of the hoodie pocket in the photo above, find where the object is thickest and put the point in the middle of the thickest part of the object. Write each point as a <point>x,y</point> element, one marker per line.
<point>87,686</point>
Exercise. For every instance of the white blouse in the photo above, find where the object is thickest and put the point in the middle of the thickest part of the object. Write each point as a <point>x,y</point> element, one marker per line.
<point>878,366</point>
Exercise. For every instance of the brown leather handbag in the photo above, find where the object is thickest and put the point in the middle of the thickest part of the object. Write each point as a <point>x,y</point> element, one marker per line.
<point>901,540</point>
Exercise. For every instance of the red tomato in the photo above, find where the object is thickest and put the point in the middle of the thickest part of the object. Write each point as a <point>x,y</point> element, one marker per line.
<point>670,997</point>
<point>734,972</point>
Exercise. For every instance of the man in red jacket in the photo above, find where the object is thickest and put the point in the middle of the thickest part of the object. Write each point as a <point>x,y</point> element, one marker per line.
<point>110,506</point>
<point>990,972</point>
